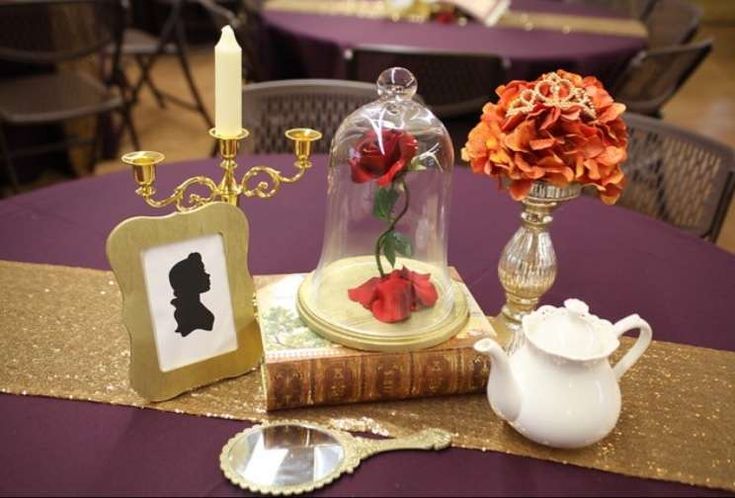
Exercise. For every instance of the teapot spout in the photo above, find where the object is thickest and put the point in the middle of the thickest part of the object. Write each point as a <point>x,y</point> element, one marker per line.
<point>502,388</point>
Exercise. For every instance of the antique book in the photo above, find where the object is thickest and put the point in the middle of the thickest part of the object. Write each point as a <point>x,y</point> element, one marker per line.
<point>303,369</point>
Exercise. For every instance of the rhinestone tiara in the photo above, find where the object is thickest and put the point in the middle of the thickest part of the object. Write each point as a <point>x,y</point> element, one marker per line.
<point>554,97</point>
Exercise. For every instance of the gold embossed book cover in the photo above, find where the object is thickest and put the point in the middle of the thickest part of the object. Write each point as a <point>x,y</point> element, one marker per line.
<point>303,369</point>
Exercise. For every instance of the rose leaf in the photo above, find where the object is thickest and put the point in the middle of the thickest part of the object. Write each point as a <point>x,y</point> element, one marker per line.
<point>385,199</point>
<point>402,244</point>
<point>389,248</point>
<point>396,243</point>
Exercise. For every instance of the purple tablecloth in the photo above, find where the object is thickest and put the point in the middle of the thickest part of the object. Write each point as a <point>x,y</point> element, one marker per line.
<point>312,46</point>
<point>619,261</point>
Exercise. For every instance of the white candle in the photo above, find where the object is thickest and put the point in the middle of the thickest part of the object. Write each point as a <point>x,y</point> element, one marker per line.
<point>228,84</point>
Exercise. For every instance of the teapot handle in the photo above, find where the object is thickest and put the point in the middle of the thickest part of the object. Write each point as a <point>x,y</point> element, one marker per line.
<point>641,344</point>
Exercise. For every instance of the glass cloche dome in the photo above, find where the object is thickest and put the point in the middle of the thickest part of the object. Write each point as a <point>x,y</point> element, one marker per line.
<point>382,282</point>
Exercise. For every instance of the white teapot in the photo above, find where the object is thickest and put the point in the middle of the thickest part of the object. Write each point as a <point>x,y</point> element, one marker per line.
<point>558,387</point>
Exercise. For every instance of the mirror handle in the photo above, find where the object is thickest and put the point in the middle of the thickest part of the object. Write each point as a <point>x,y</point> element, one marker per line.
<point>428,439</point>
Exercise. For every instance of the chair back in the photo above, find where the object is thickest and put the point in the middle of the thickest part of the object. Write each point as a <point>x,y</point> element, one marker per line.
<point>452,84</point>
<point>672,22</point>
<point>637,9</point>
<point>247,23</point>
<point>272,107</point>
<point>677,176</point>
<point>45,32</point>
<point>653,77</point>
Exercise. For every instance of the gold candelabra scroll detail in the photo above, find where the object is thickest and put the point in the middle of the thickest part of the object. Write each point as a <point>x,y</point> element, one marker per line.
<point>262,182</point>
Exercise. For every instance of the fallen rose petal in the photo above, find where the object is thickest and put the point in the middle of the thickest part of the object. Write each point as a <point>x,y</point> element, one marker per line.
<point>393,298</point>
<point>365,293</point>
<point>424,291</point>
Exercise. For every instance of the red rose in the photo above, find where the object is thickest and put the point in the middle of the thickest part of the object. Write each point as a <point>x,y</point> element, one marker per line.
<point>382,156</point>
<point>393,297</point>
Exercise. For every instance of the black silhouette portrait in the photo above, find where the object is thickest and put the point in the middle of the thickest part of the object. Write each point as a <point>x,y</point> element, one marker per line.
<point>188,280</point>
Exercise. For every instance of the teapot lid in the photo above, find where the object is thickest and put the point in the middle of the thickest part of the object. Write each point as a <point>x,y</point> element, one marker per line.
<point>570,332</point>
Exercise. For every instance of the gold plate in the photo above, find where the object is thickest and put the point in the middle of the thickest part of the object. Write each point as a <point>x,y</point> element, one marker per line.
<point>423,329</point>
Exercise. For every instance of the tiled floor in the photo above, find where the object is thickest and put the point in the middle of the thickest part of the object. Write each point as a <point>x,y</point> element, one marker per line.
<point>705,104</point>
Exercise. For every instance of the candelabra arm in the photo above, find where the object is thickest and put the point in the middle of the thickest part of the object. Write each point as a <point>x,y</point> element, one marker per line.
<point>194,200</point>
<point>266,188</point>
<point>147,194</point>
<point>301,166</point>
<point>178,196</point>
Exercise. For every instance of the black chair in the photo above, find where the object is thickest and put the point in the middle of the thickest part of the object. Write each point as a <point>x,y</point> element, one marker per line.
<point>452,84</point>
<point>653,76</point>
<point>274,106</point>
<point>637,9</point>
<point>145,49</point>
<point>247,23</point>
<point>60,36</point>
<point>677,176</point>
<point>671,22</point>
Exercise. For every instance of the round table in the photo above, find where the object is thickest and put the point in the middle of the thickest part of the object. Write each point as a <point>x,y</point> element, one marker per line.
<point>313,45</point>
<point>617,260</point>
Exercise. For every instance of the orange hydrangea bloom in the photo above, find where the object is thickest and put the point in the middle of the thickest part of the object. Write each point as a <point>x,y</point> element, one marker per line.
<point>572,134</point>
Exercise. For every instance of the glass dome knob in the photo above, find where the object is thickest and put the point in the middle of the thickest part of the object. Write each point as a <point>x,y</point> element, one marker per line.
<point>397,82</point>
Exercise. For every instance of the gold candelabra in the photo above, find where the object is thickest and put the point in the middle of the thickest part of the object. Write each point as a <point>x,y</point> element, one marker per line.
<point>228,189</point>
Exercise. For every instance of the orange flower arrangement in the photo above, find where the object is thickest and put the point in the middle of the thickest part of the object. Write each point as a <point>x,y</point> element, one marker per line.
<point>561,128</point>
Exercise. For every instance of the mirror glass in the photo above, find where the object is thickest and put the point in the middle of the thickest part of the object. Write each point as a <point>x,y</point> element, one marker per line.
<point>285,455</point>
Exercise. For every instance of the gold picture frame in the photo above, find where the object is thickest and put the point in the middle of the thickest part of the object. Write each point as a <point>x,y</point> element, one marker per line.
<point>167,361</point>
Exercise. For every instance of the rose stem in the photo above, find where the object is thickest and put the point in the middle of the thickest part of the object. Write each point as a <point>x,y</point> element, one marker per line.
<point>391,227</point>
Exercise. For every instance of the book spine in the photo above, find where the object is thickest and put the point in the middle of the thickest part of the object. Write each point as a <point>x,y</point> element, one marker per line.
<point>353,379</point>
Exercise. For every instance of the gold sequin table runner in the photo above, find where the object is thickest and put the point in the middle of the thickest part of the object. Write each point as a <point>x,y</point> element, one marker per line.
<point>61,336</point>
<point>566,23</point>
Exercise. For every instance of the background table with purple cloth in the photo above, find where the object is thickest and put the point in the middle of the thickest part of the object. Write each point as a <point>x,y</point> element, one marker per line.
<point>313,45</point>
<point>617,260</point>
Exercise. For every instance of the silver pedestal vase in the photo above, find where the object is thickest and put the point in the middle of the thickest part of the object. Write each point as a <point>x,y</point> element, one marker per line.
<point>527,267</point>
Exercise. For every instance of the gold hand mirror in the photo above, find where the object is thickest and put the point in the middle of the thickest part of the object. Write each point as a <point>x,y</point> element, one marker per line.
<point>291,457</point>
